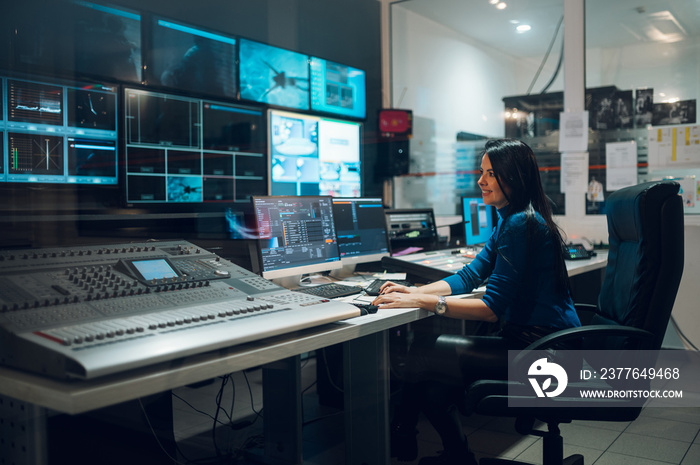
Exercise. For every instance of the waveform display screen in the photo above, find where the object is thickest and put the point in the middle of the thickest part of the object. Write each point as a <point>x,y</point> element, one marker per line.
<point>337,88</point>
<point>193,59</point>
<point>187,150</point>
<point>273,75</point>
<point>60,132</point>
<point>32,102</point>
<point>312,155</point>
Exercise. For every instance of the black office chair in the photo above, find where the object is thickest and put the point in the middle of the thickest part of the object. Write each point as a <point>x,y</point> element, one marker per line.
<point>645,264</point>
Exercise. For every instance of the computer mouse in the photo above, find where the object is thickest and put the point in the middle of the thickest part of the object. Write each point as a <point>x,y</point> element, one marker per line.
<point>366,309</point>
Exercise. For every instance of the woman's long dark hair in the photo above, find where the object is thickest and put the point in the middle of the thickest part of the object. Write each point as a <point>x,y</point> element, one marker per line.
<point>515,167</point>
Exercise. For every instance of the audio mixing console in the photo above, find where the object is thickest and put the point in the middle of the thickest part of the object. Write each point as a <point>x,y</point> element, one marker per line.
<point>430,266</point>
<point>85,312</point>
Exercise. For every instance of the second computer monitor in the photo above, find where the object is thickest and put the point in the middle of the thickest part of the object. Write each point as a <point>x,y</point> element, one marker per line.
<point>296,235</point>
<point>361,229</point>
<point>478,219</point>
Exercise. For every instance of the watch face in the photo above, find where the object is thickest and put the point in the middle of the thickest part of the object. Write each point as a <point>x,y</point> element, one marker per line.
<point>440,306</point>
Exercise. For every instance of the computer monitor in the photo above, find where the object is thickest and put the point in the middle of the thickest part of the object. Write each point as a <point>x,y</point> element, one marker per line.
<point>337,89</point>
<point>478,219</point>
<point>411,228</point>
<point>296,237</point>
<point>361,229</point>
<point>273,75</point>
<point>189,151</point>
<point>313,155</point>
<point>192,59</point>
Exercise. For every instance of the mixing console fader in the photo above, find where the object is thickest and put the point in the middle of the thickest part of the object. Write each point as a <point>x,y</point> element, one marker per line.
<point>90,311</point>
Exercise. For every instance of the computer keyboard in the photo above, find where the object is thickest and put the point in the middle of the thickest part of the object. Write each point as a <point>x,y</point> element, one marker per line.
<point>330,290</point>
<point>373,287</point>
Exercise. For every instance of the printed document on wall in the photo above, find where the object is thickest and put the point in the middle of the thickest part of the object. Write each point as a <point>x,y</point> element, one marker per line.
<point>573,131</point>
<point>620,165</point>
<point>574,172</point>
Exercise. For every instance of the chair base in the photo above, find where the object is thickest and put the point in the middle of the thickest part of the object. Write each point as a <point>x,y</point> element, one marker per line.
<point>576,459</point>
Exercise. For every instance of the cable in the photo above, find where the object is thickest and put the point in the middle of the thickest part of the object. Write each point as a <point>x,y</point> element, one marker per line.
<point>155,435</point>
<point>546,55</point>
<point>557,69</point>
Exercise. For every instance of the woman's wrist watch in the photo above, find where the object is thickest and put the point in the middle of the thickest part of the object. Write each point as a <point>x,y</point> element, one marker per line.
<point>440,306</point>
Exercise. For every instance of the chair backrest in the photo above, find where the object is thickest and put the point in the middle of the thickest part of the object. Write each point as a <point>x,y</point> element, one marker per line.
<point>645,260</point>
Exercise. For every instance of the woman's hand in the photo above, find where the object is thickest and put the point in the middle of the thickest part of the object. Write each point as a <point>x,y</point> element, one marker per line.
<point>403,299</point>
<point>388,287</point>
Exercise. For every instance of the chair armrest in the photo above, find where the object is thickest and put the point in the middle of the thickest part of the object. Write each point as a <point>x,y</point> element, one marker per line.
<point>586,311</point>
<point>576,334</point>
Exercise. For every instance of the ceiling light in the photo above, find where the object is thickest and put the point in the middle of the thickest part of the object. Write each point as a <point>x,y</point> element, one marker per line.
<point>493,2</point>
<point>523,28</point>
<point>501,6</point>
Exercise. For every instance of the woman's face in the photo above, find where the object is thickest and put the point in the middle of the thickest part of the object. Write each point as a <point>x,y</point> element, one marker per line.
<point>490,190</point>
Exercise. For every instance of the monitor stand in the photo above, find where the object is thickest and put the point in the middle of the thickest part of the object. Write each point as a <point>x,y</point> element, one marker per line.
<point>288,282</point>
<point>345,272</point>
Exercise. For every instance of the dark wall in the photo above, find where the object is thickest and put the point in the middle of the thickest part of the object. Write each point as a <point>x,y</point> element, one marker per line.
<point>344,31</point>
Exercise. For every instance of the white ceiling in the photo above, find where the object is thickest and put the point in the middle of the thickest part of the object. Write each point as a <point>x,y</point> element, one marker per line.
<point>609,23</point>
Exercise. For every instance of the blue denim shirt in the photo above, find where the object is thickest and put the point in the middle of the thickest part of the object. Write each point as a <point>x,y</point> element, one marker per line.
<point>519,265</point>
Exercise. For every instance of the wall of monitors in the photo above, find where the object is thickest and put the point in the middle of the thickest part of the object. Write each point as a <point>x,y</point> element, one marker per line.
<point>188,150</point>
<point>313,155</point>
<point>58,133</point>
<point>85,40</point>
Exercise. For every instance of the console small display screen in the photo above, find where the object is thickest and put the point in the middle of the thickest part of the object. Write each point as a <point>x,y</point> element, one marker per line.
<point>154,269</point>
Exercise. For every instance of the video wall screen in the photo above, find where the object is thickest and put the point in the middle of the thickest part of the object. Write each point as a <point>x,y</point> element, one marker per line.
<point>192,59</point>
<point>59,132</point>
<point>188,150</point>
<point>312,155</point>
<point>337,89</point>
<point>77,37</point>
<point>273,75</point>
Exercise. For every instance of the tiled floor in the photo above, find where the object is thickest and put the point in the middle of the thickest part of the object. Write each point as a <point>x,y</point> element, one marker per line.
<point>658,436</point>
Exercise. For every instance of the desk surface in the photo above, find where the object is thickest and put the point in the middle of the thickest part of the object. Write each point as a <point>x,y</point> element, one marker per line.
<point>78,396</point>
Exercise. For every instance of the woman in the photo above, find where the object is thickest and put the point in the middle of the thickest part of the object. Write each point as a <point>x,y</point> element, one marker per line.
<point>527,294</point>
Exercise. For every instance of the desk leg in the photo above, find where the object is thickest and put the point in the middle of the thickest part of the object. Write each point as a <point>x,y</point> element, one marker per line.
<point>366,384</point>
<point>23,432</point>
<point>282,415</point>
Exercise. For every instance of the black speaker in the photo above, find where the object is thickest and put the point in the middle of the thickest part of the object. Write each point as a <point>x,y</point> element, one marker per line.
<point>392,157</point>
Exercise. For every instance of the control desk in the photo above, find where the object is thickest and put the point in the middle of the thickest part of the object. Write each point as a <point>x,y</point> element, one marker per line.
<point>89,311</point>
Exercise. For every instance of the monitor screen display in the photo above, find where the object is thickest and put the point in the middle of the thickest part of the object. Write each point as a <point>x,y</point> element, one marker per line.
<point>361,229</point>
<point>188,150</point>
<point>192,59</point>
<point>312,155</point>
<point>77,37</point>
<point>411,228</point>
<point>478,219</point>
<point>273,75</point>
<point>337,89</point>
<point>60,132</point>
<point>296,235</point>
